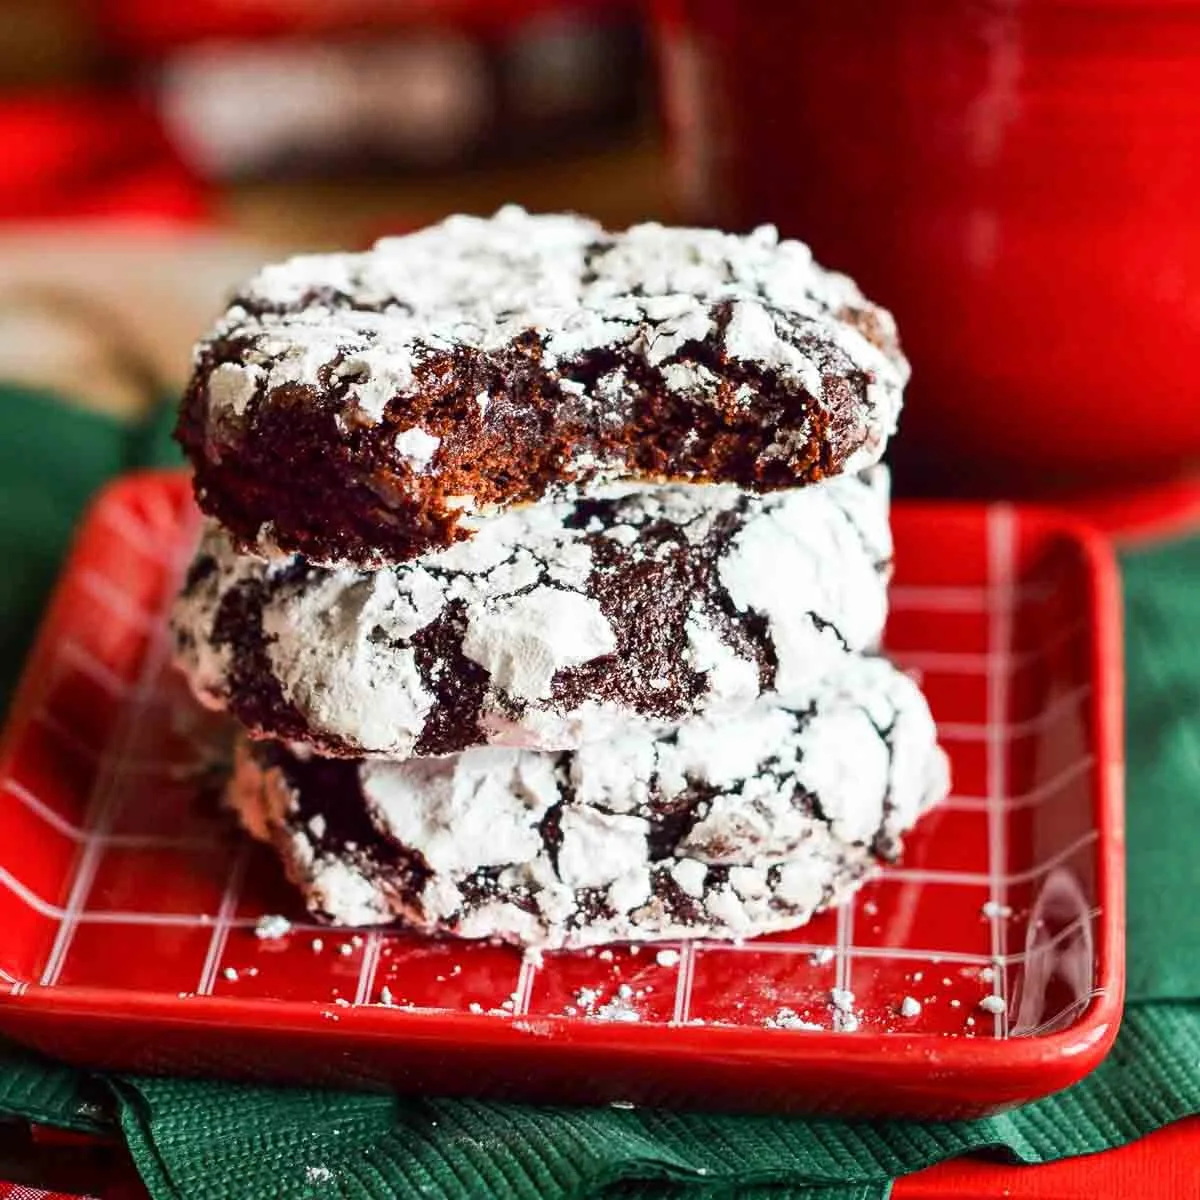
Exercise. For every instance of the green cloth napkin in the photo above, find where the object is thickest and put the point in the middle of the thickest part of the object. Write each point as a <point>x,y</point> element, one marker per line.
<point>1162,663</point>
<point>217,1141</point>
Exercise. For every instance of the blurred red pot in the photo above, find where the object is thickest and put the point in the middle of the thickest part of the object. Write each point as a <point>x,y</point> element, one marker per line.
<point>1019,182</point>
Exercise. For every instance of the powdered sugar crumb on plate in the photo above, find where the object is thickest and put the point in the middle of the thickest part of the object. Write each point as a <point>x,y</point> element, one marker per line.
<point>787,1018</point>
<point>272,926</point>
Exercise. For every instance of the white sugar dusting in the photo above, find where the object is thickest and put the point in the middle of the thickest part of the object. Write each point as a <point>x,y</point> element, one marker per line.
<point>842,1000</point>
<point>845,1019</point>
<point>416,447</point>
<point>619,1008</point>
<point>231,387</point>
<point>595,881</point>
<point>522,642</point>
<point>271,927</point>
<point>776,567</point>
<point>342,646</point>
<point>483,284</point>
<point>787,1018</point>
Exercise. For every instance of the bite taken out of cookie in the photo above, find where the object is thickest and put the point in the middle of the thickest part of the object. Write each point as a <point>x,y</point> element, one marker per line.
<point>371,407</point>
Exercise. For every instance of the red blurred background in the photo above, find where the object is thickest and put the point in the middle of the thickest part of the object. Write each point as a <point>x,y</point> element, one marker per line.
<point>302,121</point>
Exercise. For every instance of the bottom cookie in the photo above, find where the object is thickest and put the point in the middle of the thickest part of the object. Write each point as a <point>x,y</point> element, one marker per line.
<point>717,828</point>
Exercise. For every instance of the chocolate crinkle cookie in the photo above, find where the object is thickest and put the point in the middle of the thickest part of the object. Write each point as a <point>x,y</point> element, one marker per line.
<point>545,574</point>
<point>722,828</point>
<point>556,625</point>
<point>369,408</point>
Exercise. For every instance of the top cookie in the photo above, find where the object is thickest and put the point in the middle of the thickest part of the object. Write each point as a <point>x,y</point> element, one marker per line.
<point>366,408</point>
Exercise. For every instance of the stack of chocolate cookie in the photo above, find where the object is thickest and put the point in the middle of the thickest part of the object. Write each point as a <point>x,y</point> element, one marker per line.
<point>545,573</point>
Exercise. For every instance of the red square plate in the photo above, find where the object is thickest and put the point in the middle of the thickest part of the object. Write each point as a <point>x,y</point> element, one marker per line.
<point>128,907</point>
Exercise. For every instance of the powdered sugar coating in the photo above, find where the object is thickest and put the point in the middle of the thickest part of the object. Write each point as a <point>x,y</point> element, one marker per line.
<point>650,354</point>
<point>523,641</point>
<point>555,626</point>
<point>482,283</point>
<point>719,829</point>
<point>416,447</point>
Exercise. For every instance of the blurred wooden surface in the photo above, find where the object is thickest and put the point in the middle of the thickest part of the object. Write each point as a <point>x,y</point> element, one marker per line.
<point>44,43</point>
<point>618,185</point>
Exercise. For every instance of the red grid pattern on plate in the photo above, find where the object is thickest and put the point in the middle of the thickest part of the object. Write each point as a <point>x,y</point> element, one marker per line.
<point>112,874</point>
